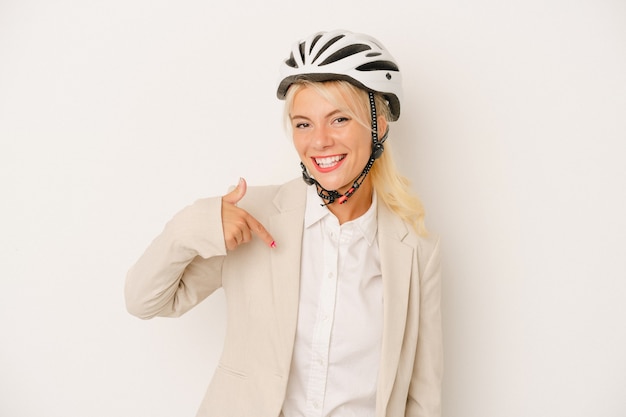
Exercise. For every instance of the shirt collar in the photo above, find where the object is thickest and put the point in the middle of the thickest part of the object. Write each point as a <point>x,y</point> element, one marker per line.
<point>315,212</point>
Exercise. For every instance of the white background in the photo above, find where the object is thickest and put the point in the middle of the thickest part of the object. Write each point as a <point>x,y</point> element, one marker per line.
<point>116,114</point>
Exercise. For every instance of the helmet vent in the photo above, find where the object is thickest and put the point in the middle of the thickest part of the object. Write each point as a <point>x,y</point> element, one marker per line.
<point>345,52</point>
<point>378,66</point>
<point>317,38</point>
<point>373,54</point>
<point>302,51</point>
<point>328,45</point>
<point>291,62</point>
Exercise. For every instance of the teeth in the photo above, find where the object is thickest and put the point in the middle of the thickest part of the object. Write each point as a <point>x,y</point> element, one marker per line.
<point>329,161</point>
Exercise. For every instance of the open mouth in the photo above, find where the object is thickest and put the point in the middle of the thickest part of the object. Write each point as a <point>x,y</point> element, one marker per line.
<point>327,163</point>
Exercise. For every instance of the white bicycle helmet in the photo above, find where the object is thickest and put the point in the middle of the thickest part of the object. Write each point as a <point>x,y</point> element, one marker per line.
<point>342,55</point>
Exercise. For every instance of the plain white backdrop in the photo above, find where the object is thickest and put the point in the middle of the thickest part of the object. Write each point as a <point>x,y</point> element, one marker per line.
<point>114,115</point>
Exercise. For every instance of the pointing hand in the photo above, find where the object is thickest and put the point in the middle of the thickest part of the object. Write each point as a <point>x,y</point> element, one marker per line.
<point>238,224</point>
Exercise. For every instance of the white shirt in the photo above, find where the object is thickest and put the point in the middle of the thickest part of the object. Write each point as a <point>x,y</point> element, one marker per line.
<point>334,370</point>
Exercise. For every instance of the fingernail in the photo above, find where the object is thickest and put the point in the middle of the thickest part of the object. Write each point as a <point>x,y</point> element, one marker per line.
<point>273,244</point>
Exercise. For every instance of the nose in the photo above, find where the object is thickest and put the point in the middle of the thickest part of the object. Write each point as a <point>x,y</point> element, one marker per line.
<point>322,138</point>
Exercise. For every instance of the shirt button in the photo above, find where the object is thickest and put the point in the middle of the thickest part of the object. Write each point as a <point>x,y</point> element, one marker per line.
<point>331,275</point>
<point>316,404</point>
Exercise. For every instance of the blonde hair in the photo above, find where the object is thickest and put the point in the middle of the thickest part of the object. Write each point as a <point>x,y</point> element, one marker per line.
<point>391,187</point>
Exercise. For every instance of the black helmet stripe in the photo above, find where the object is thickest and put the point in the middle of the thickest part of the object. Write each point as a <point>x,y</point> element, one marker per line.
<point>345,52</point>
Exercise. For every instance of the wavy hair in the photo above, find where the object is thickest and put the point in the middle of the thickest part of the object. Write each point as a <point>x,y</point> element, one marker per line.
<point>391,187</point>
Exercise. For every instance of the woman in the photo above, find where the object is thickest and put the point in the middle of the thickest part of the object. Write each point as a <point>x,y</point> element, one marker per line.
<point>332,286</point>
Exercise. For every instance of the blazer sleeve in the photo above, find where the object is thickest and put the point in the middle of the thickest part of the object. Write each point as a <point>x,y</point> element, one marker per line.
<point>182,266</point>
<point>424,399</point>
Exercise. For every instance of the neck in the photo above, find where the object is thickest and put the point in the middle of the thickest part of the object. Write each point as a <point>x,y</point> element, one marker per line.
<point>356,206</point>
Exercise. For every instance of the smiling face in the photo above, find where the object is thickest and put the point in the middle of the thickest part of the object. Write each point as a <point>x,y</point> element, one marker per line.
<point>330,141</point>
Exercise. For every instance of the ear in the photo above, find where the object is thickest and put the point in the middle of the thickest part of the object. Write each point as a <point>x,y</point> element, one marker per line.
<point>382,126</point>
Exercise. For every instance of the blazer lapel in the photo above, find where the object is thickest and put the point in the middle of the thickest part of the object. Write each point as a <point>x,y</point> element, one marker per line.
<point>286,227</point>
<point>396,261</point>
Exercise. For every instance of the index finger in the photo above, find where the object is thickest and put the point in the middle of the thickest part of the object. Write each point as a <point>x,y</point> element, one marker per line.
<point>258,229</point>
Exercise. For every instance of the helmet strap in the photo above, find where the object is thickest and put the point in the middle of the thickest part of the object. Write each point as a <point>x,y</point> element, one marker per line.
<point>330,196</point>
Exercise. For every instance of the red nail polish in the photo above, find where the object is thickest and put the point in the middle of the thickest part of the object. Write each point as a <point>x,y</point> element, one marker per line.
<point>273,244</point>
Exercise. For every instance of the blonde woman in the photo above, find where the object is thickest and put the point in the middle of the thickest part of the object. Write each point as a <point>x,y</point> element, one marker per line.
<point>332,284</point>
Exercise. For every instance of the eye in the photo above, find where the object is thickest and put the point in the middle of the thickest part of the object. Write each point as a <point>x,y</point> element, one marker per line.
<point>341,120</point>
<point>301,125</point>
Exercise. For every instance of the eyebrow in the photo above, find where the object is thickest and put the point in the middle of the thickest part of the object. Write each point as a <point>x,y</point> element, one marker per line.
<point>331,114</point>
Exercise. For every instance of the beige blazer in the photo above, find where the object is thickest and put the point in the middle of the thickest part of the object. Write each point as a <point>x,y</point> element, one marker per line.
<point>189,261</point>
